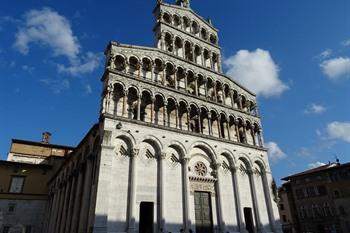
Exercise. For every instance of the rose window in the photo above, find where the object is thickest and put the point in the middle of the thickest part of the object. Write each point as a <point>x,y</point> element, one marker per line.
<point>200,169</point>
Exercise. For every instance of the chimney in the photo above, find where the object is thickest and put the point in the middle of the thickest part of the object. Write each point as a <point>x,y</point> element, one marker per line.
<point>46,137</point>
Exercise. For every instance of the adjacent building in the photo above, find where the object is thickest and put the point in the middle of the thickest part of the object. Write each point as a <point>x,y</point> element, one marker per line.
<point>317,200</point>
<point>24,181</point>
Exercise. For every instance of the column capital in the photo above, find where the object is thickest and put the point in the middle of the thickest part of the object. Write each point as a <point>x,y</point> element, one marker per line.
<point>162,155</point>
<point>185,160</point>
<point>134,153</point>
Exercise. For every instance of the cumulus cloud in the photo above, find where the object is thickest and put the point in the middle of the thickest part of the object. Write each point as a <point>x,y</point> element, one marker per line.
<point>316,164</point>
<point>91,62</point>
<point>275,152</point>
<point>336,68</point>
<point>339,131</point>
<point>257,71</point>
<point>315,109</point>
<point>47,28</point>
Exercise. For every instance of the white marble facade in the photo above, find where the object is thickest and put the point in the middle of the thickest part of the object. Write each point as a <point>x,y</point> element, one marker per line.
<point>178,147</point>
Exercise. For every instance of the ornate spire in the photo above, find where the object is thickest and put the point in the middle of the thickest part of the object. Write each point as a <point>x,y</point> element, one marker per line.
<point>184,3</point>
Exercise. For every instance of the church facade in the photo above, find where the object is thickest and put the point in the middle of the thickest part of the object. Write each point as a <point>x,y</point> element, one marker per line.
<point>178,147</point>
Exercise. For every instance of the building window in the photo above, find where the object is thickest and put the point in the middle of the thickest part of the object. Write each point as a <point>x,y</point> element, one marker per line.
<point>310,191</point>
<point>17,183</point>
<point>11,208</point>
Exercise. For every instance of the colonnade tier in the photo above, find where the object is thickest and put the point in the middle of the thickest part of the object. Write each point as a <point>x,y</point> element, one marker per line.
<point>186,80</point>
<point>156,109</point>
<point>190,25</point>
<point>189,50</point>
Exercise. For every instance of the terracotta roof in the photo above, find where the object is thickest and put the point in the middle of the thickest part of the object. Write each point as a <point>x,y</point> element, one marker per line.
<point>42,144</point>
<point>326,167</point>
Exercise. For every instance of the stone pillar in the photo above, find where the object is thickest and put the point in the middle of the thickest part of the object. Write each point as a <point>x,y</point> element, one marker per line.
<point>186,195</point>
<point>59,209</point>
<point>53,211</point>
<point>185,82</point>
<point>219,126</point>
<point>177,116</point>
<point>268,200</point>
<point>84,211</point>
<point>65,206</point>
<point>228,130</point>
<point>240,103</point>
<point>162,201</point>
<point>252,132</point>
<point>215,93</point>
<point>199,120</point>
<point>139,97</point>
<point>77,201</point>
<point>237,130</point>
<point>188,119</point>
<point>206,88</point>
<point>165,114</point>
<point>125,104</point>
<point>71,202</point>
<point>222,227</point>
<point>239,212</point>
<point>132,192</point>
<point>176,80</point>
<point>259,226</point>
<point>232,99</point>
<point>202,57</point>
<point>209,124</point>
<point>245,132</point>
<point>261,140</point>
<point>152,109</point>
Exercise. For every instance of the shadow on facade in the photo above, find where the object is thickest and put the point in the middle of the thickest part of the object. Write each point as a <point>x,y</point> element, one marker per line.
<point>149,225</point>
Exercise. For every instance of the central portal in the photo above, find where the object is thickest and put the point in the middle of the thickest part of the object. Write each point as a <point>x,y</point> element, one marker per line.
<point>202,207</point>
<point>146,217</point>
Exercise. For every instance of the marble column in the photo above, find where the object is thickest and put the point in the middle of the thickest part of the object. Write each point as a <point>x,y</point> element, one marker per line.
<point>186,195</point>
<point>132,192</point>
<point>259,226</point>
<point>268,200</point>
<point>139,97</point>
<point>239,209</point>
<point>83,222</point>
<point>222,227</point>
<point>209,124</point>
<point>162,201</point>
<point>71,202</point>
<point>65,205</point>
<point>125,104</point>
<point>77,201</point>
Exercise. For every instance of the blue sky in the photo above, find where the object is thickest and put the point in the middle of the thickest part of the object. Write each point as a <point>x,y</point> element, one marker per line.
<point>296,53</point>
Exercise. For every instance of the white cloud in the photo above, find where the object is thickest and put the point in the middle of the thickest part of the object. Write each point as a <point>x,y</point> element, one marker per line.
<point>46,27</point>
<point>315,109</point>
<point>339,130</point>
<point>336,68</point>
<point>325,54</point>
<point>91,62</point>
<point>257,71</point>
<point>56,86</point>
<point>274,151</point>
<point>316,164</point>
<point>346,43</point>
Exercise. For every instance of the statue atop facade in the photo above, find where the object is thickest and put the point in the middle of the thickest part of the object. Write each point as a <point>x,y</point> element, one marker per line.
<point>184,3</point>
